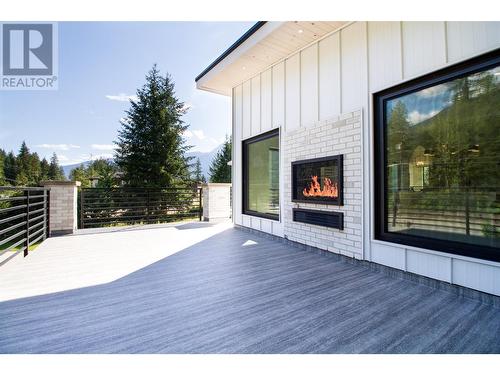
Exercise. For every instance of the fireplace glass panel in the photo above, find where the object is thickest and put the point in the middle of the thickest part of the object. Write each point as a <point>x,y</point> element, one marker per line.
<point>318,180</point>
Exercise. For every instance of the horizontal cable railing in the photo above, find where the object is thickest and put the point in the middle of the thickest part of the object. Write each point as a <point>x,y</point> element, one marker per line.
<point>123,206</point>
<point>469,210</point>
<point>24,219</point>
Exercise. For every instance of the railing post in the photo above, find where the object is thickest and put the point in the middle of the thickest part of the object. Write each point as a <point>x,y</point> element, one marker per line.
<point>27,242</point>
<point>200,207</point>
<point>81,208</point>
<point>46,211</point>
<point>147,205</point>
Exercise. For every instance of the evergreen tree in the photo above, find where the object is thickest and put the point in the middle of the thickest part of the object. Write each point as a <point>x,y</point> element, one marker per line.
<point>44,169</point>
<point>198,176</point>
<point>2,173</point>
<point>151,148</point>
<point>80,174</point>
<point>34,170</point>
<point>23,166</point>
<point>220,171</point>
<point>55,171</point>
<point>10,168</point>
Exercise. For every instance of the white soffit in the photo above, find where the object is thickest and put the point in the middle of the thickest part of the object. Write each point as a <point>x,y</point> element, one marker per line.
<point>268,45</point>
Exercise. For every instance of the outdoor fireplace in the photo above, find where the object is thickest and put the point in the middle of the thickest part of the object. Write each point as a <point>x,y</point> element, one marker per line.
<point>318,180</point>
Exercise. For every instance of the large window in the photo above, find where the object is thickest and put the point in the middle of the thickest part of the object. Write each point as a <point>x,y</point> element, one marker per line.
<point>261,176</point>
<point>437,156</point>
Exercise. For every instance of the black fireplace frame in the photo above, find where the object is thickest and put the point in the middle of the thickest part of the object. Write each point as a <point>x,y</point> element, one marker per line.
<point>340,163</point>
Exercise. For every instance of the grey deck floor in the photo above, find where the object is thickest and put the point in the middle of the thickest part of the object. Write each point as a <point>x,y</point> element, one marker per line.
<point>238,292</point>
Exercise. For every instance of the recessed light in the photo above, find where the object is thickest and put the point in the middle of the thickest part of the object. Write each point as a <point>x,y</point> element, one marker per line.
<point>244,68</point>
<point>300,31</point>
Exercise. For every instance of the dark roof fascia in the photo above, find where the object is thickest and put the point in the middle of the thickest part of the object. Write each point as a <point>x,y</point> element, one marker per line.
<point>235,45</point>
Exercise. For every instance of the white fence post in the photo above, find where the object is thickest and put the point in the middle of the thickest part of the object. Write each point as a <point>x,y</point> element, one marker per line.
<point>216,201</point>
<point>63,206</point>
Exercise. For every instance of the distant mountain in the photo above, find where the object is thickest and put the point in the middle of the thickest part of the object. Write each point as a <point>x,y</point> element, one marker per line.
<point>205,160</point>
<point>68,168</point>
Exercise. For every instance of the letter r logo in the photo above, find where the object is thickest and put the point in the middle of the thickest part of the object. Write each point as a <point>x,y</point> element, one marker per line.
<point>27,49</point>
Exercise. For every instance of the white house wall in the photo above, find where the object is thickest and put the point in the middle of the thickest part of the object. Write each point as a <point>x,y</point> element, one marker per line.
<point>338,74</point>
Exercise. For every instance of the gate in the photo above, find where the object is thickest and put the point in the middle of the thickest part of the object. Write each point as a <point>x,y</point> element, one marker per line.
<point>126,206</point>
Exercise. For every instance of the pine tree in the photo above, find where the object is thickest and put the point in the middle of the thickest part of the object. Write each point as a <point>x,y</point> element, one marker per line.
<point>55,171</point>
<point>23,166</point>
<point>44,169</point>
<point>34,170</point>
<point>2,163</point>
<point>198,176</point>
<point>151,148</point>
<point>220,171</point>
<point>80,174</point>
<point>10,168</point>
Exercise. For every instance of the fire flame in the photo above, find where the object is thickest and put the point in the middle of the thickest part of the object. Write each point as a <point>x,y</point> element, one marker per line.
<point>329,189</point>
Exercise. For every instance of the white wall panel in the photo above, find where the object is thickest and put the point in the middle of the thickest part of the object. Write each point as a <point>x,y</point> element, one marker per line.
<point>292,97</point>
<point>247,221</point>
<point>329,77</point>
<point>354,66</point>
<point>266,109</point>
<point>423,47</point>
<point>388,256</point>
<point>255,106</point>
<point>278,229</point>
<point>429,265</point>
<point>477,276</point>
<point>247,105</point>
<point>266,226</point>
<point>237,129</point>
<point>255,223</point>
<point>309,85</point>
<point>466,39</point>
<point>278,95</point>
<point>384,54</point>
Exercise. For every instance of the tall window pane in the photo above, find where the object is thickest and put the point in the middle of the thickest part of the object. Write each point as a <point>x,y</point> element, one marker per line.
<point>262,176</point>
<point>437,180</point>
<point>442,161</point>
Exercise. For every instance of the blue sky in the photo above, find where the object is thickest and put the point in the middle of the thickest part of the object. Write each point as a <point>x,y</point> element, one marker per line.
<point>100,65</point>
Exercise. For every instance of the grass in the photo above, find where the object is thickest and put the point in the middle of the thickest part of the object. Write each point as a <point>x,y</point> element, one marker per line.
<point>17,248</point>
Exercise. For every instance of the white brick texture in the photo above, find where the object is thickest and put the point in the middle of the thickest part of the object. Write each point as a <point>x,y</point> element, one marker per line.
<point>327,138</point>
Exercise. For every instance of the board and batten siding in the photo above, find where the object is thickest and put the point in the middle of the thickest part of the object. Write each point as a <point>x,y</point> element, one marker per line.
<point>339,74</point>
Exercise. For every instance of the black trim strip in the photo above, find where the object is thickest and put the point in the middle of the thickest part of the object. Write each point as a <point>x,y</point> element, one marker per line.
<point>235,45</point>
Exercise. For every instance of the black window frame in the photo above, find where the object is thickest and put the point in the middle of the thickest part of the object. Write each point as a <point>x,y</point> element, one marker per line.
<point>460,70</point>
<point>245,143</point>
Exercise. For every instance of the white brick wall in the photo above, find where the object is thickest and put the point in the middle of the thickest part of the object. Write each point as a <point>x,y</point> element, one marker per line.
<point>340,135</point>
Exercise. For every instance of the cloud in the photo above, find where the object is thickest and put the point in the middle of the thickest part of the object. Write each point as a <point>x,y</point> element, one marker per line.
<point>122,97</point>
<point>60,146</point>
<point>415,117</point>
<point>199,134</point>
<point>433,91</point>
<point>103,147</point>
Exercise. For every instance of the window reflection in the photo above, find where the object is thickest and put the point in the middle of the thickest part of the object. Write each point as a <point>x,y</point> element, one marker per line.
<point>442,155</point>
<point>262,176</point>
